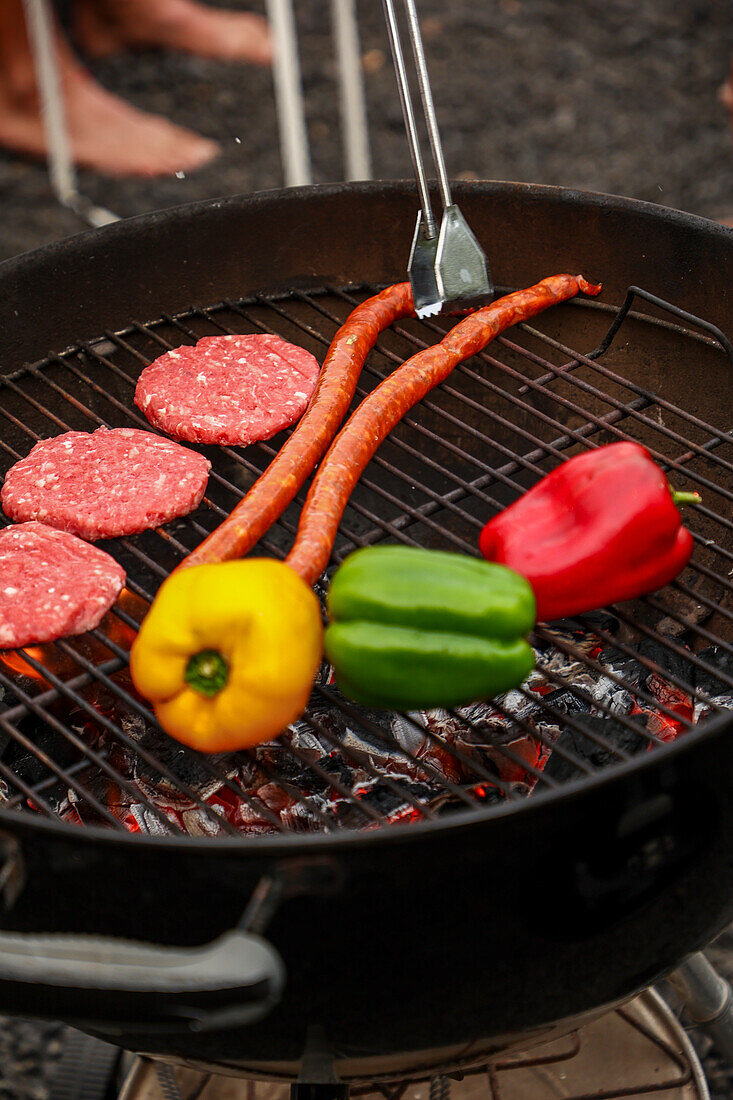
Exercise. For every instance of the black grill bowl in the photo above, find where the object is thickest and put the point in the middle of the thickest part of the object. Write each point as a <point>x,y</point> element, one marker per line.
<point>437,943</point>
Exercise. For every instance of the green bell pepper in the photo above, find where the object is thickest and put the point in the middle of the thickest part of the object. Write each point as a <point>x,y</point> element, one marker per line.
<point>412,628</point>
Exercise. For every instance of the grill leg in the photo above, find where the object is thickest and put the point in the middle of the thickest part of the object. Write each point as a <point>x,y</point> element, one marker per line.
<point>708,999</point>
<point>305,1091</point>
<point>88,1069</point>
<point>317,1079</point>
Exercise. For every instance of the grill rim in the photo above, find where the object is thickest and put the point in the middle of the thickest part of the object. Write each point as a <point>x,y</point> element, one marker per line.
<point>19,269</point>
<point>569,195</point>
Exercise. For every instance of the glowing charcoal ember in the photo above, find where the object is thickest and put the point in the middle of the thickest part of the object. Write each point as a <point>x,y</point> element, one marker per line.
<point>664,726</point>
<point>671,695</point>
<point>494,739</point>
<point>391,804</point>
<point>640,674</point>
<point>15,661</point>
<point>661,726</point>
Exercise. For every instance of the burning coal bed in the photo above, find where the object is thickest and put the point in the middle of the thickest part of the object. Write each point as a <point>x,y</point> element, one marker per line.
<point>592,700</point>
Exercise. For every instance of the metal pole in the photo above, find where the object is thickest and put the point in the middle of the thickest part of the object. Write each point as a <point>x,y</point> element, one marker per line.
<point>61,170</point>
<point>708,999</point>
<point>289,94</point>
<point>354,125</point>
<point>40,34</point>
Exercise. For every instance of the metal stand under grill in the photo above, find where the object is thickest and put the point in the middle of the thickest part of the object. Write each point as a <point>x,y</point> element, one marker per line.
<point>638,1050</point>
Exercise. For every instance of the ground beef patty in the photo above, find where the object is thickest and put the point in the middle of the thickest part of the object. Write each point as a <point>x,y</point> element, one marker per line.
<point>104,484</point>
<point>228,389</point>
<point>52,584</point>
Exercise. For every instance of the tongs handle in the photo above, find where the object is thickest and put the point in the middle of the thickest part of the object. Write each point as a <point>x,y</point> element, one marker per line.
<point>447,267</point>
<point>408,112</point>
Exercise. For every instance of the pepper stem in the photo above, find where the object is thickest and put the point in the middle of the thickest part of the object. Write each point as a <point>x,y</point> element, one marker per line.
<point>207,672</point>
<point>681,498</point>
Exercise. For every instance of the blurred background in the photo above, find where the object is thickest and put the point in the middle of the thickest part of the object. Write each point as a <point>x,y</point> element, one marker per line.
<point>616,96</point>
<point>619,96</point>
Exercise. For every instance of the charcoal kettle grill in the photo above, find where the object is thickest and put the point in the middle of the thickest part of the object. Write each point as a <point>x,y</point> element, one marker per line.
<point>423,918</point>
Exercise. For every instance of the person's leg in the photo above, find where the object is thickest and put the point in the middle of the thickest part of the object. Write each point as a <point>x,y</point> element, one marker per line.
<point>106,133</point>
<point>108,26</point>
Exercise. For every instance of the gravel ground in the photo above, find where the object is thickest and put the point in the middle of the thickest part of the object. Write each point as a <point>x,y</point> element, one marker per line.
<point>29,1054</point>
<point>618,97</point>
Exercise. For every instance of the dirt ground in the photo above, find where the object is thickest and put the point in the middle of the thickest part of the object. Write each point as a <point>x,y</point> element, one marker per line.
<point>617,96</point>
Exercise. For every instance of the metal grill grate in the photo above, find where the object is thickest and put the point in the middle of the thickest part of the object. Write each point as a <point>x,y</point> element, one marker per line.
<point>80,744</point>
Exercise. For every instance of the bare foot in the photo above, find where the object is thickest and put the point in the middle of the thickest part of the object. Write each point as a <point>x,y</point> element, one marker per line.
<point>106,133</point>
<point>109,26</point>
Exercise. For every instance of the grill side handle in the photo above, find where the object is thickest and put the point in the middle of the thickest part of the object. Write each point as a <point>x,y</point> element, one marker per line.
<point>107,985</point>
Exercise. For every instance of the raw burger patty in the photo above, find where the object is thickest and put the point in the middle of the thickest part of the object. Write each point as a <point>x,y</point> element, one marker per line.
<point>228,389</point>
<point>103,484</point>
<point>52,584</point>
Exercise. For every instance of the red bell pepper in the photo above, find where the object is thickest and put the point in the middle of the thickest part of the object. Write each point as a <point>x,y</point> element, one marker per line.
<point>601,528</point>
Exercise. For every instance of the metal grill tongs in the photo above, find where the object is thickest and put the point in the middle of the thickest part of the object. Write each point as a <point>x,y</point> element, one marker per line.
<point>447,268</point>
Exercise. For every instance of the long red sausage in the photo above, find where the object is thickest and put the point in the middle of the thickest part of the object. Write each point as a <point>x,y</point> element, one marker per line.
<point>378,413</point>
<point>275,488</point>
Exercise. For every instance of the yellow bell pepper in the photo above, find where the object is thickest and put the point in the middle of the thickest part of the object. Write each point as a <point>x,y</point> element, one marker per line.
<point>228,653</point>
